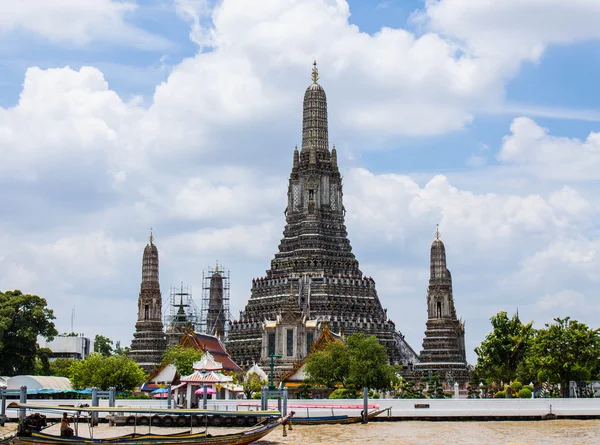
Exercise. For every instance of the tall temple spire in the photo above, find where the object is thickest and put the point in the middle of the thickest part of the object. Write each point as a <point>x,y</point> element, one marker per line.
<point>216,317</point>
<point>314,275</point>
<point>444,343</point>
<point>314,116</point>
<point>149,341</point>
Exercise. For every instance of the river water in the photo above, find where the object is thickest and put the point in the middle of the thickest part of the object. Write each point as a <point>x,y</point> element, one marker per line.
<point>550,432</point>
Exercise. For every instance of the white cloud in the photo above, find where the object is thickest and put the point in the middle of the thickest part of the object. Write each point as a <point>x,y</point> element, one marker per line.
<point>506,29</point>
<point>395,205</point>
<point>77,22</point>
<point>532,148</point>
<point>562,300</point>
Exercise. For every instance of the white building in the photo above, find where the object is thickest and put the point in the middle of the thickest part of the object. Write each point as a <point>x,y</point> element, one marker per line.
<point>64,346</point>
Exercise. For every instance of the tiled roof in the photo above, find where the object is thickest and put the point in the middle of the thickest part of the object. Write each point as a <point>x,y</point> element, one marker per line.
<point>212,344</point>
<point>206,377</point>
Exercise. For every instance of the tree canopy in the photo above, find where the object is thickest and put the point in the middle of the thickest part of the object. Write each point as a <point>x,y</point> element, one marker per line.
<point>103,372</point>
<point>566,350</point>
<point>501,355</point>
<point>360,362</point>
<point>22,318</point>
<point>182,357</point>
<point>103,345</point>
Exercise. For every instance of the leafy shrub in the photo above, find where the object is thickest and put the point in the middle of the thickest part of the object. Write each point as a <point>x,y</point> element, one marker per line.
<point>529,387</point>
<point>516,386</point>
<point>340,393</point>
<point>376,395</point>
<point>500,395</point>
<point>256,395</point>
<point>525,393</point>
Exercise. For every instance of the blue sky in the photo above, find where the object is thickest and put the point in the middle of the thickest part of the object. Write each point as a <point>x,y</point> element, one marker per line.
<point>182,116</point>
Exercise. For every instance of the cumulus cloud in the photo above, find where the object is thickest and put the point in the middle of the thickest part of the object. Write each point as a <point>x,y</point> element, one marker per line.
<point>507,29</point>
<point>532,147</point>
<point>77,22</point>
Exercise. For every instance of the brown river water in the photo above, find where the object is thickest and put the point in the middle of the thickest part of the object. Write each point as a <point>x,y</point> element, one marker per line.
<point>551,432</point>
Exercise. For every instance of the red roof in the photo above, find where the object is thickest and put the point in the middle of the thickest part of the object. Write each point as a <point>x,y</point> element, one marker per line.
<point>212,344</point>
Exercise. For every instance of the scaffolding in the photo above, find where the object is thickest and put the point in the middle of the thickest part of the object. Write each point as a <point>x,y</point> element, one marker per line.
<point>207,275</point>
<point>181,302</point>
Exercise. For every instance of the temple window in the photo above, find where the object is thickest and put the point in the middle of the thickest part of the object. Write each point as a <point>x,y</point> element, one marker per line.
<point>290,343</point>
<point>272,344</point>
<point>147,312</point>
<point>439,309</point>
<point>309,340</point>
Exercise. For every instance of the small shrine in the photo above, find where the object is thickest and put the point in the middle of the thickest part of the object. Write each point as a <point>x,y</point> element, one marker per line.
<point>208,376</point>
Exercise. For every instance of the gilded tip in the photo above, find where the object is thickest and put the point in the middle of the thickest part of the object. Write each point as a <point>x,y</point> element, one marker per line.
<point>151,239</point>
<point>437,231</point>
<point>315,72</point>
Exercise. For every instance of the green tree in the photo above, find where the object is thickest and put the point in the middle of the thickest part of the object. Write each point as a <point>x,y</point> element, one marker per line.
<point>369,362</point>
<point>103,345</point>
<point>360,362</point>
<point>182,357</point>
<point>61,367</point>
<point>103,372</point>
<point>304,390</point>
<point>22,318</point>
<point>501,355</point>
<point>252,384</point>
<point>564,351</point>
<point>42,363</point>
<point>330,366</point>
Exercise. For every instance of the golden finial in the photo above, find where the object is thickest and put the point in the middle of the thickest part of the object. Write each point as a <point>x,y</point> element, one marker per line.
<point>217,267</point>
<point>315,72</point>
<point>437,231</point>
<point>151,236</point>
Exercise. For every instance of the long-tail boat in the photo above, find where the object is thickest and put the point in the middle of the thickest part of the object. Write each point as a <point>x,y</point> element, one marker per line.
<point>332,420</point>
<point>30,434</point>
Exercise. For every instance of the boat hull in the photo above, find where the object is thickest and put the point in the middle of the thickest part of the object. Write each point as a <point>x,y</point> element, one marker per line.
<point>242,438</point>
<point>333,420</point>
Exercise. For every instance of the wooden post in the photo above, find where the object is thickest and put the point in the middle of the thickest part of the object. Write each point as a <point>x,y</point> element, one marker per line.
<point>204,397</point>
<point>285,400</point>
<point>169,397</point>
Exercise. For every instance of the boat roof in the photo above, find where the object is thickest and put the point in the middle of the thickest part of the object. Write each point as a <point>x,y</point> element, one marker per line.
<point>123,409</point>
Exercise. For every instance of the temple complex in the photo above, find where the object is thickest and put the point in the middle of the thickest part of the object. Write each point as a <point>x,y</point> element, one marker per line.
<point>149,343</point>
<point>444,343</point>
<point>314,278</point>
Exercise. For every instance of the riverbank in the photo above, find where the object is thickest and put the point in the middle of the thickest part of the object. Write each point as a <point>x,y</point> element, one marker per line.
<point>555,432</point>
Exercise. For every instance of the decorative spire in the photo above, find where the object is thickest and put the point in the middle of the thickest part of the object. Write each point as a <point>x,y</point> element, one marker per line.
<point>150,265</point>
<point>217,267</point>
<point>437,231</point>
<point>334,156</point>
<point>314,116</point>
<point>296,157</point>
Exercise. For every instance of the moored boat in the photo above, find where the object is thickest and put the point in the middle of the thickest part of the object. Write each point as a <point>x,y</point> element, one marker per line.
<point>332,420</point>
<point>272,419</point>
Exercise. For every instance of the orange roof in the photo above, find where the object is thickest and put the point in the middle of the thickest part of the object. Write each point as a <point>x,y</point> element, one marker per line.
<point>212,344</point>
